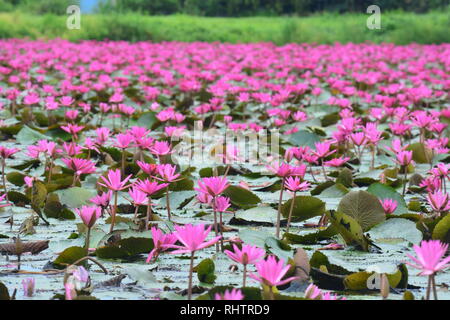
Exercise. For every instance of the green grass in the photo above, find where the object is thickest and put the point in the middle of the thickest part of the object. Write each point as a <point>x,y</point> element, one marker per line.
<point>397,27</point>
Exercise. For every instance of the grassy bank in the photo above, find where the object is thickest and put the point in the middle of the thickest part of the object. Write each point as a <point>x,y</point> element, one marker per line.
<point>397,27</point>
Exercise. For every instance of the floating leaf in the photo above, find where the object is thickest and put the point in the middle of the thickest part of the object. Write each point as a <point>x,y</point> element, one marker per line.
<point>16,178</point>
<point>75,197</point>
<point>54,209</point>
<point>254,237</point>
<point>69,256</point>
<point>420,153</point>
<point>33,247</point>
<point>349,229</point>
<point>312,237</point>
<point>4,292</point>
<point>305,207</point>
<point>205,271</point>
<point>28,136</point>
<point>442,229</point>
<point>19,199</point>
<point>335,191</point>
<point>364,207</point>
<point>279,248</point>
<point>345,177</point>
<point>241,197</point>
<point>304,138</point>
<point>396,231</point>
<point>258,215</point>
<point>125,248</point>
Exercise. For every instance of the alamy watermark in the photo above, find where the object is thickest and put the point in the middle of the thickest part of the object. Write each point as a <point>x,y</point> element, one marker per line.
<point>374,21</point>
<point>218,147</point>
<point>73,21</point>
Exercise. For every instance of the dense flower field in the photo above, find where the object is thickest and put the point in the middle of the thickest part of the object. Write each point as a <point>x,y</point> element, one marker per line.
<point>218,171</point>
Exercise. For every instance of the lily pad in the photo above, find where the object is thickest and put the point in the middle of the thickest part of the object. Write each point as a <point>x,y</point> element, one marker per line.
<point>364,207</point>
<point>75,197</point>
<point>241,197</point>
<point>305,207</point>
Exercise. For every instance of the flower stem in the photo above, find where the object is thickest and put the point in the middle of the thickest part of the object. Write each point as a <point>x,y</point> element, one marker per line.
<point>215,223</point>
<point>244,280</point>
<point>290,213</point>
<point>168,203</point>
<point>406,181</point>
<point>149,213</point>
<point>433,279</point>
<point>221,231</point>
<point>427,296</point>
<point>88,237</point>
<point>4,179</point>
<point>114,212</point>
<point>191,270</point>
<point>279,208</point>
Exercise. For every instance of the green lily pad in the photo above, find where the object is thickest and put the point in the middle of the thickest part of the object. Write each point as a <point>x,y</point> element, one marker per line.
<point>205,271</point>
<point>420,153</point>
<point>305,207</point>
<point>16,178</point>
<point>442,230</point>
<point>304,138</point>
<point>125,248</point>
<point>364,207</point>
<point>75,197</point>
<point>241,197</point>
<point>28,136</point>
<point>69,256</point>
<point>349,229</point>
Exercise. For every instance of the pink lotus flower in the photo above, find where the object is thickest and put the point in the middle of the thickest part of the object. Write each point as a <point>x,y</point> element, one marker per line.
<point>150,187</point>
<point>123,141</point>
<point>234,294</point>
<point>102,200</point>
<point>247,255</point>
<point>167,172</point>
<point>271,271</point>
<point>114,181</point>
<point>439,201</point>
<point>28,285</point>
<point>149,168</point>
<point>102,135</point>
<point>138,197</point>
<point>80,166</point>
<point>213,186</point>
<point>29,181</point>
<point>204,198</point>
<point>430,257</point>
<point>284,170</point>
<point>161,242</point>
<point>193,238</point>
<point>295,184</point>
<point>89,215</point>
<point>161,148</point>
<point>313,292</point>
<point>404,158</point>
<point>6,153</point>
<point>323,149</point>
<point>222,204</point>
<point>72,114</point>
<point>336,162</point>
<point>389,205</point>
<point>73,129</point>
